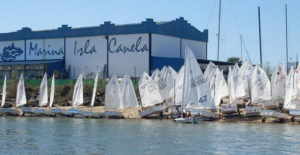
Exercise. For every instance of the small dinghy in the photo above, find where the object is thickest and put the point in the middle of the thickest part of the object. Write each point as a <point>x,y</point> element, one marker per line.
<point>21,95</point>
<point>6,111</point>
<point>292,95</point>
<point>196,94</point>
<point>231,107</point>
<point>77,99</point>
<point>150,95</point>
<point>43,99</point>
<point>56,111</point>
<point>274,115</point>
<point>190,120</point>
<point>113,98</point>
<point>289,95</point>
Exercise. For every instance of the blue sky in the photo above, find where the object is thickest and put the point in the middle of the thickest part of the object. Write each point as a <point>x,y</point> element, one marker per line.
<point>239,17</point>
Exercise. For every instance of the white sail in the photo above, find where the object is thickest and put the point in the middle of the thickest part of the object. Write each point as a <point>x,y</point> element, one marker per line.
<point>163,70</point>
<point>179,86</point>
<point>149,91</point>
<point>244,80</point>
<point>174,73</point>
<point>112,94</point>
<point>94,89</point>
<point>166,84</point>
<point>52,91</point>
<point>236,89</point>
<point>78,92</point>
<point>221,87</point>
<point>196,93</point>
<point>260,86</point>
<point>43,97</point>
<point>3,92</point>
<point>128,96</point>
<point>21,95</point>
<point>297,82</point>
<point>209,71</point>
<point>290,91</point>
<point>278,81</point>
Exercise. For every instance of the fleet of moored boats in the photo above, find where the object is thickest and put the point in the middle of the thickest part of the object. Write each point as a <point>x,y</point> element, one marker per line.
<point>189,95</point>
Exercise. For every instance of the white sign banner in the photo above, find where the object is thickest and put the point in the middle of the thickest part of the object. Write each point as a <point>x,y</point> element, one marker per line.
<point>12,50</point>
<point>45,49</point>
<point>128,54</point>
<point>86,54</point>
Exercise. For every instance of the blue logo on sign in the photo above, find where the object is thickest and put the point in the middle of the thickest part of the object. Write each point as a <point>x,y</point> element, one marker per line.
<point>10,52</point>
<point>136,47</point>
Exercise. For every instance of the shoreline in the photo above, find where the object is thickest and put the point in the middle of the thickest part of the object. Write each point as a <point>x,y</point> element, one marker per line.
<point>133,113</point>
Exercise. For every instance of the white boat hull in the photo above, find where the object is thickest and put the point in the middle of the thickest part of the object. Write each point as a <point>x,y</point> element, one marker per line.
<point>203,113</point>
<point>294,112</point>
<point>228,109</point>
<point>152,110</point>
<point>270,104</point>
<point>186,120</point>
<point>273,114</point>
<point>252,110</point>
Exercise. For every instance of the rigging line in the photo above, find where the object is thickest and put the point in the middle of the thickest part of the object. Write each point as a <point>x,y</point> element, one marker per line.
<point>211,14</point>
<point>246,50</point>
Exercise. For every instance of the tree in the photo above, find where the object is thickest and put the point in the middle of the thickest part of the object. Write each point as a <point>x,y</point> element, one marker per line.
<point>234,60</point>
<point>268,69</point>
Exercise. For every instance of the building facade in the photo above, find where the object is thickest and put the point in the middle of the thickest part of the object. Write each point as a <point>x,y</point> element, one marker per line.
<point>108,48</point>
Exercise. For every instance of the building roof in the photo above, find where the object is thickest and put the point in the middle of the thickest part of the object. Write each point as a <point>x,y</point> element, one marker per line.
<point>177,28</point>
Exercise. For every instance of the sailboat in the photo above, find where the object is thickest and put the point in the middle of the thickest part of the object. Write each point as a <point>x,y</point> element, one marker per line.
<point>289,95</point>
<point>128,96</point>
<point>179,87</point>
<point>77,98</point>
<point>150,95</point>
<point>21,95</point>
<point>43,99</point>
<point>231,108</point>
<point>278,81</point>
<point>209,71</point>
<point>113,98</point>
<point>94,90</point>
<point>3,92</point>
<point>219,87</point>
<point>244,79</point>
<point>292,95</point>
<point>56,111</point>
<point>7,111</point>
<point>196,94</point>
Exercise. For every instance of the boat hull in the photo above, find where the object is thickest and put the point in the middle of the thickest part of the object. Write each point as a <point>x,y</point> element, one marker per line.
<point>186,120</point>
<point>9,111</point>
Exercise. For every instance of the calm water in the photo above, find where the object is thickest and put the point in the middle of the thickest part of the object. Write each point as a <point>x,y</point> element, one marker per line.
<point>96,136</point>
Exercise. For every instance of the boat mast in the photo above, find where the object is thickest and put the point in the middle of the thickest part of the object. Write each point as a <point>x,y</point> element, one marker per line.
<point>241,38</point>
<point>184,83</point>
<point>286,40</point>
<point>259,28</point>
<point>218,52</point>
